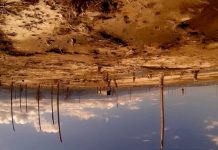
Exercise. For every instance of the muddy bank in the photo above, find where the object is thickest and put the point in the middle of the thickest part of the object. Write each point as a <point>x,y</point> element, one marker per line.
<point>104,80</point>
<point>78,43</point>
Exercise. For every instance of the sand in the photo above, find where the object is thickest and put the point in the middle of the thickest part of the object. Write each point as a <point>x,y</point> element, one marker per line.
<point>48,41</point>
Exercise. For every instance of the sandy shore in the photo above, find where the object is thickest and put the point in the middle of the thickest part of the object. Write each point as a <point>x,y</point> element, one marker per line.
<point>171,78</point>
<point>45,42</point>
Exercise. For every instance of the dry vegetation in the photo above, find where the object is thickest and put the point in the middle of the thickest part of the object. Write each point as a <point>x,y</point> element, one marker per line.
<point>80,41</point>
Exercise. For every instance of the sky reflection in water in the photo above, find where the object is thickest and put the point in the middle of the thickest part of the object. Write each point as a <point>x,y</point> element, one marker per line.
<point>123,121</point>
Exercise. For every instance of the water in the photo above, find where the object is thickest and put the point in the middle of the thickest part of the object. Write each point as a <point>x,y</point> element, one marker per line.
<point>124,121</point>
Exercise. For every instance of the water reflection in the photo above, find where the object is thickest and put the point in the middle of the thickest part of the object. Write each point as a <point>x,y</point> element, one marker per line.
<point>162,111</point>
<point>12,114</point>
<point>41,105</point>
<point>52,103</point>
<point>86,115</point>
<point>38,98</point>
<point>185,112</point>
<point>26,96</point>
<point>58,114</point>
<point>183,91</point>
<point>20,95</point>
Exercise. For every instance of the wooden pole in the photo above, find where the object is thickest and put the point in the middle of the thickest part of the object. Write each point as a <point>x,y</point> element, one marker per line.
<point>162,111</point>
<point>58,114</point>
<point>12,114</point>
<point>20,94</point>
<point>52,104</point>
<point>26,96</point>
<point>38,98</point>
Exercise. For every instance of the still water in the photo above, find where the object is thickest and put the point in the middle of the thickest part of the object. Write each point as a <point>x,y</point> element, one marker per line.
<point>145,118</point>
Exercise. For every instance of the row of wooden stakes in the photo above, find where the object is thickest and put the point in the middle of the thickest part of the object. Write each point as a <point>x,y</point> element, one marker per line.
<point>58,110</point>
<point>38,105</point>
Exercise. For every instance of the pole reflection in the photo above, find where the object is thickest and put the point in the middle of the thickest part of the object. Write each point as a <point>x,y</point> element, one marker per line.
<point>12,114</point>
<point>38,99</point>
<point>20,95</point>
<point>52,105</point>
<point>26,96</point>
<point>58,114</point>
<point>162,111</point>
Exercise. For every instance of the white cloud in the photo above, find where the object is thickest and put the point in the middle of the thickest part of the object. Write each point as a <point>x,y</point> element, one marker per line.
<point>83,110</point>
<point>214,139</point>
<point>211,124</point>
<point>176,137</point>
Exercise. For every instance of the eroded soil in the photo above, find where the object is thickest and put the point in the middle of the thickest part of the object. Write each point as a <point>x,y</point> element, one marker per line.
<point>79,43</point>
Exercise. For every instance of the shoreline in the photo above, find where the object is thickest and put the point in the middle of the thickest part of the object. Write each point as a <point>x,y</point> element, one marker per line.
<point>170,79</point>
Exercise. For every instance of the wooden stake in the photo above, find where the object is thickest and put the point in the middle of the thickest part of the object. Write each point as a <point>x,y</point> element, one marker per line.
<point>38,98</point>
<point>162,112</point>
<point>58,114</point>
<point>52,105</point>
<point>12,114</point>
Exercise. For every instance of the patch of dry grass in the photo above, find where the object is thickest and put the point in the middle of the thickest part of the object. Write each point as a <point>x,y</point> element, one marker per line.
<point>83,5</point>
